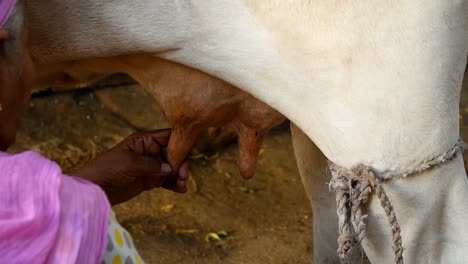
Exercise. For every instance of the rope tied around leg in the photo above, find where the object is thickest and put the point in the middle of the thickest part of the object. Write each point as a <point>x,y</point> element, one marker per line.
<point>354,187</point>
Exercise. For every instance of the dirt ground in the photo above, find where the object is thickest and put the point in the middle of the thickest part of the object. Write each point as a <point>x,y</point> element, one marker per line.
<point>267,220</point>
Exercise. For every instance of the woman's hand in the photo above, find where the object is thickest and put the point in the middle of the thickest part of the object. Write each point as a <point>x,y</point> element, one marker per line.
<point>137,164</point>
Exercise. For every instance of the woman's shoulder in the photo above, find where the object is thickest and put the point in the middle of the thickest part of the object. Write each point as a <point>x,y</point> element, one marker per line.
<point>41,209</point>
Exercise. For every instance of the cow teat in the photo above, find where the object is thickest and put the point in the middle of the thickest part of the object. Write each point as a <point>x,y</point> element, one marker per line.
<point>196,102</point>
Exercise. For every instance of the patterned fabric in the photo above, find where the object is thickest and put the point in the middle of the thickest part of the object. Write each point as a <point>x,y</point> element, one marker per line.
<point>48,217</point>
<point>6,6</point>
<point>120,247</point>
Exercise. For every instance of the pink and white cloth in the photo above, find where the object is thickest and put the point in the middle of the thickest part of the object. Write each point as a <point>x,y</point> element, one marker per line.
<point>49,217</point>
<point>6,7</point>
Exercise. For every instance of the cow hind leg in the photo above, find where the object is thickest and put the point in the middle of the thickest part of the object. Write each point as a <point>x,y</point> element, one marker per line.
<point>312,166</point>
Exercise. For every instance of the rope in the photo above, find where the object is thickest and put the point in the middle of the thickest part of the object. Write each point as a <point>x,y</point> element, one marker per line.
<point>354,187</point>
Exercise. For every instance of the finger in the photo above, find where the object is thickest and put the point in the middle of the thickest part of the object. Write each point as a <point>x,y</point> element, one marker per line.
<point>176,184</point>
<point>150,146</point>
<point>154,181</point>
<point>148,142</point>
<point>166,167</point>
<point>141,143</point>
<point>184,170</point>
<point>157,179</point>
<point>147,165</point>
<point>184,174</point>
<point>161,136</point>
<point>157,139</point>
<point>181,186</point>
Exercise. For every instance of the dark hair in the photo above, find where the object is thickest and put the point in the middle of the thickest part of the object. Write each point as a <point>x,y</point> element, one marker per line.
<point>12,48</point>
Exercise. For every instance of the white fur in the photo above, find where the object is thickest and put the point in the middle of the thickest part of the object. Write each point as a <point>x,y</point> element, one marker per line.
<point>373,82</point>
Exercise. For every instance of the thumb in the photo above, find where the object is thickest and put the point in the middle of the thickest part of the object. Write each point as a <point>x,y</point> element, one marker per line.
<point>157,179</point>
<point>165,168</point>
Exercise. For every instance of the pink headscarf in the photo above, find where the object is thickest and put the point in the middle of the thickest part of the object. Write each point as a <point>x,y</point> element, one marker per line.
<point>48,217</point>
<point>6,6</point>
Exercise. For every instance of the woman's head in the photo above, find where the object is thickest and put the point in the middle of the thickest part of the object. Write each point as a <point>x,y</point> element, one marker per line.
<point>16,70</point>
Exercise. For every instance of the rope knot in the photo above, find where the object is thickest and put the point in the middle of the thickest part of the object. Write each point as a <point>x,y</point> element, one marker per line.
<point>353,189</point>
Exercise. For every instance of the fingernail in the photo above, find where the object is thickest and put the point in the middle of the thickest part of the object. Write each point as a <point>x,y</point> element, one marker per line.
<point>165,167</point>
<point>185,174</point>
<point>184,170</point>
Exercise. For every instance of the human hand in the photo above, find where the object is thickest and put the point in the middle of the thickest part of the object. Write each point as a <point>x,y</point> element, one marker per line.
<point>137,164</point>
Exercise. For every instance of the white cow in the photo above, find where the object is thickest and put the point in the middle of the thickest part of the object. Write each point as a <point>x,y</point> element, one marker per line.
<point>368,82</point>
